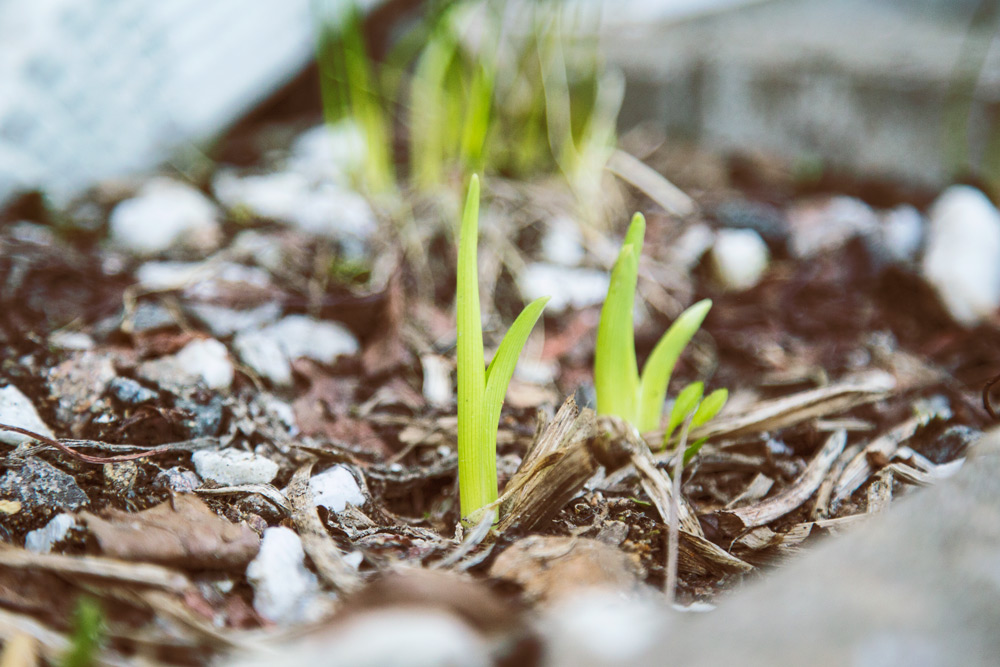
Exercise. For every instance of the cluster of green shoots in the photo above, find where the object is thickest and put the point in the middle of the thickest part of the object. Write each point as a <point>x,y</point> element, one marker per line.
<point>621,390</point>
<point>459,110</point>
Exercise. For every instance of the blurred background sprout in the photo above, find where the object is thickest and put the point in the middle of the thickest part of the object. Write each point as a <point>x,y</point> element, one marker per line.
<point>438,105</point>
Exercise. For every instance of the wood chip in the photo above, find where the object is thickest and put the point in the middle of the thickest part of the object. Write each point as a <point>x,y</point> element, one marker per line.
<point>880,492</point>
<point>182,532</point>
<point>97,567</point>
<point>909,474</point>
<point>821,508</point>
<point>860,468</point>
<point>265,490</point>
<point>756,489</point>
<point>758,514</point>
<point>762,537</point>
<point>548,567</point>
<point>697,553</point>
<point>553,471</point>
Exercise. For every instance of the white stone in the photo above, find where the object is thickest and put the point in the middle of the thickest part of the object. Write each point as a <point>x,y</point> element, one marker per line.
<point>536,371</point>
<point>270,351</point>
<point>739,258</point>
<point>324,209</point>
<point>962,259</point>
<point>202,280</point>
<point>71,340</point>
<point>285,591</point>
<point>223,321</point>
<point>263,249</point>
<point>437,387</point>
<point>263,354</point>
<point>567,287</point>
<point>332,152</point>
<point>902,233</point>
<point>208,359</point>
<point>563,243</point>
<point>17,410</point>
<point>687,250</point>
<point>821,225</point>
<point>302,336</point>
<point>164,213</point>
<point>159,276</point>
<point>42,540</point>
<point>335,488</point>
<point>231,467</point>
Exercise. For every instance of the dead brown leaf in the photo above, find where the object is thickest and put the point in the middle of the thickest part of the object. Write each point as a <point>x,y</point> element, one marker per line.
<point>183,532</point>
<point>552,567</point>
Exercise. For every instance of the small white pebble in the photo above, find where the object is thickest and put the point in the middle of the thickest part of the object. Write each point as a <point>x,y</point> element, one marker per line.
<point>163,213</point>
<point>567,287</point>
<point>42,540</point>
<point>208,359</point>
<point>16,409</point>
<point>335,488</point>
<point>739,258</point>
<point>285,591</point>
<point>962,260</point>
<point>437,380</point>
<point>230,467</point>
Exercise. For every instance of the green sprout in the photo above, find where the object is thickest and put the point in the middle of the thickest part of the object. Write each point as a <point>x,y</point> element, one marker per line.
<point>620,389</point>
<point>689,403</point>
<point>481,391</point>
<point>510,102</point>
<point>88,634</point>
<point>349,89</point>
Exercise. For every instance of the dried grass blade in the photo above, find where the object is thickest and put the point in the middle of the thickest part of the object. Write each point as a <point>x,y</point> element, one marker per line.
<point>758,514</point>
<point>860,468</point>
<point>140,574</point>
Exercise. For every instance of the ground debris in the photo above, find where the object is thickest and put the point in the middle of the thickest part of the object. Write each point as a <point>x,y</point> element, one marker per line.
<point>182,532</point>
<point>548,568</point>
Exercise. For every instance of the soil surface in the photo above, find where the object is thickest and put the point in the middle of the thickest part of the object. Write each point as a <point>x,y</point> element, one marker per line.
<point>171,553</point>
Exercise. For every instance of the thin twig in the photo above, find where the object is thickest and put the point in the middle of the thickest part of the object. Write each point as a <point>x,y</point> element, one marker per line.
<point>86,458</point>
<point>673,535</point>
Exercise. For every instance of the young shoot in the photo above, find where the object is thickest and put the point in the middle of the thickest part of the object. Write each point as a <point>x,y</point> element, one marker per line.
<point>621,390</point>
<point>689,402</point>
<point>481,390</point>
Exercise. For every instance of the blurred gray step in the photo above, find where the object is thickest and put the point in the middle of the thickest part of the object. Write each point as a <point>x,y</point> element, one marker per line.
<point>857,84</point>
<point>91,89</point>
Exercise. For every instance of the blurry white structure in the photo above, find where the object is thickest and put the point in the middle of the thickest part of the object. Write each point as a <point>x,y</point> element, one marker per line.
<point>91,89</point>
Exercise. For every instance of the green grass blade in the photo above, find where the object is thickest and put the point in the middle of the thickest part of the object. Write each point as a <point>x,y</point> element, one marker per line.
<point>661,362</point>
<point>710,407</point>
<point>616,374</point>
<point>501,369</point>
<point>475,490</point>
<point>89,633</point>
<point>686,403</point>
<point>693,450</point>
<point>477,119</point>
<point>706,411</point>
<point>428,108</point>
